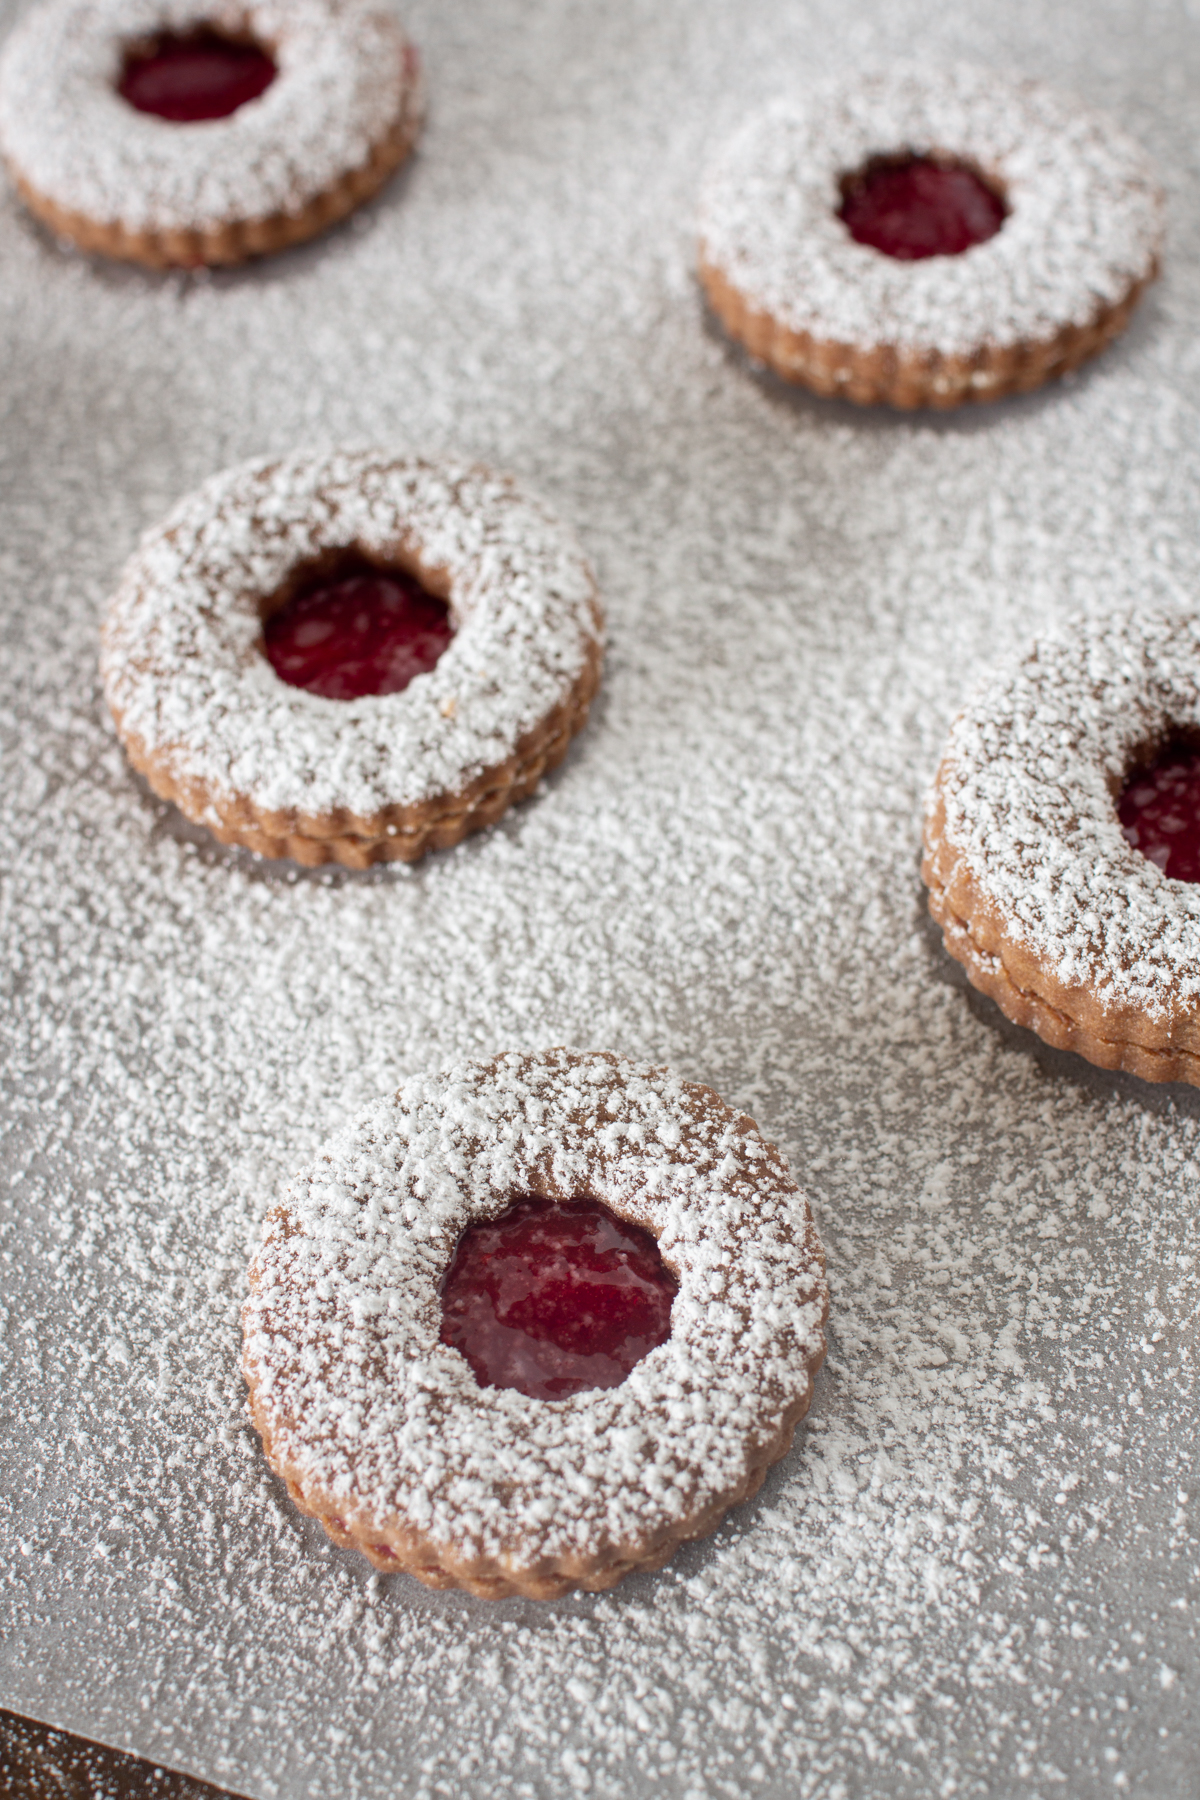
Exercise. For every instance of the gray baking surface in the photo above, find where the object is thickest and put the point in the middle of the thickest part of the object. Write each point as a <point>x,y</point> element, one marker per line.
<point>977,1571</point>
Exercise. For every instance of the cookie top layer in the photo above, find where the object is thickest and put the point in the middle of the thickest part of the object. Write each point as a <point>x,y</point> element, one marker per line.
<point>1028,791</point>
<point>347,76</point>
<point>368,1410</point>
<point>186,675</point>
<point>1084,221</point>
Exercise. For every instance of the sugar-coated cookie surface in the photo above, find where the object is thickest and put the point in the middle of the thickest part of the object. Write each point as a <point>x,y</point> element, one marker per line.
<point>380,1428</point>
<point>1039,894</point>
<point>1081,238</point>
<point>202,713</point>
<point>341,114</point>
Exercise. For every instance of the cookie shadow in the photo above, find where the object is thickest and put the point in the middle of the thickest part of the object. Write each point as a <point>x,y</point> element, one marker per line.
<point>168,823</point>
<point>635,1592</point>
<point>1066,1066</point>
<point>966,420</point>
<point>124,278</point>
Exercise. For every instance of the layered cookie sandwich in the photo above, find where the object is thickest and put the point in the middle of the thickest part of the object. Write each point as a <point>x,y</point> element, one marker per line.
<point>923,237</point>
<point>534,1323</point>
<point>1062,843</point>
<point>352,658</point>
<point>191,132</point>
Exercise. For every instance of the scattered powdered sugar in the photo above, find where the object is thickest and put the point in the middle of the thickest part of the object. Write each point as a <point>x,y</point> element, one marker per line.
<point>979,1569</point>
<point>1030,780</point>
<point>366,1405</point>
<point>185,672</point>
<point>1084,222</point>
<point>345,78</point>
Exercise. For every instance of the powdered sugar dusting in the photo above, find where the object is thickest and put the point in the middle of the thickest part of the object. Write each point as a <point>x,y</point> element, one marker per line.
<point>1084,221</point>
<point>1032,770</point>
<point>183,663</point>
<point>366,1405</point>
<point>977,1571</point>
<point>345,78</point>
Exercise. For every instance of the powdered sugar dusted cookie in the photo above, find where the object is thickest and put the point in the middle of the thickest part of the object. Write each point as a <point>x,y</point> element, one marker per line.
<point>534,1323</point>
<point>1066,808</point>
<point>175,132</point>
<point>352,657</point>
<point>924,237</point>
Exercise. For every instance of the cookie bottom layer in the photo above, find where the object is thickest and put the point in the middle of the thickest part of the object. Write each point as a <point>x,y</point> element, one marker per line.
<point>1031,996</point>
<point>395,1552</point>
<point>881,375</point>
<point>239,239</point>
<point>400,835</point>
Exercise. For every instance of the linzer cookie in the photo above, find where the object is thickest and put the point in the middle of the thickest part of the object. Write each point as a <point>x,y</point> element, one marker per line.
<point>534,1323</point>
<point>1062,843</point>
<point>923,237</point>
<point>167,132</point>
<point>352,658</point>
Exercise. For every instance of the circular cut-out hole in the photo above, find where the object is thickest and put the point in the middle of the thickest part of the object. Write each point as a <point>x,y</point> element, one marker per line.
<point>357,630</point>
<point>1159,810</point>
<point>910,207</point>
<point>555,1298</point>
<point>195,76</point>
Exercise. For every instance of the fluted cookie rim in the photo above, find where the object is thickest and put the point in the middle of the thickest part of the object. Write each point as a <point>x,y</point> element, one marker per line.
<point>342,114</point>
<point>787,281</point>
<point>487,1489</point>
<point>1053,914</point>
<point>203,716</point>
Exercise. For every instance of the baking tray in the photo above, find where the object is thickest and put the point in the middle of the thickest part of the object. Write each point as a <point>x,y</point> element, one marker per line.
<point>977,1571</point>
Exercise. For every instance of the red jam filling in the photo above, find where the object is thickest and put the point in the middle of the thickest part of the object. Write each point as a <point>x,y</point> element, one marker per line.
<point>360,631</point>
<point>1160,813</point>
<point>201,76</point>
<point>920,208</point>
<point>554,1299</point>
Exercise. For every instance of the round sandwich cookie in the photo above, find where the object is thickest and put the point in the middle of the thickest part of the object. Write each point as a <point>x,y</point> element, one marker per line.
<point>1062,843</point>
<point>203,132</point>
<point>534,1323</point>
<point>352,657</point>
<point>924,236</point>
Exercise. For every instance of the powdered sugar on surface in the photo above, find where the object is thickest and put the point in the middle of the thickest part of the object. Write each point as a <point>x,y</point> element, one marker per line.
<point>342,85</point>
<point>1033,766</point>
<point>368,1408</point>
<point>1084,221</point>
<point>183,662</point>
<point>722,878</point>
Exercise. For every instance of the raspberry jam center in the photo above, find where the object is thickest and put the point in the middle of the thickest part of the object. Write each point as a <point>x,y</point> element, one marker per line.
<point>200,76</point>
<point>554,1299</point>
<point>918,207</point>
<point>360,631</point>
<point>1160,812</point>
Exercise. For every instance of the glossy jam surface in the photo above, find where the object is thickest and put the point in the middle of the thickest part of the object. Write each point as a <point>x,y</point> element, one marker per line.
<point>554,1299</point>
<point>201,76</point>
<point>1160,812</point>
<point>361,631</point>
<point>920,208</point>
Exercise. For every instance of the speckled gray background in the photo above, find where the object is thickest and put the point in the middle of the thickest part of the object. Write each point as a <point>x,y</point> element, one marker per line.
<point>977,1571</point>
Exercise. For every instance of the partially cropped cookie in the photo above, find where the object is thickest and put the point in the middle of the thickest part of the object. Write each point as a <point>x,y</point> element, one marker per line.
<point>534,1323</point>
<point>926,236</point>
<point>353,657</point>
<point>1062,843</point>
<point>166,132</point>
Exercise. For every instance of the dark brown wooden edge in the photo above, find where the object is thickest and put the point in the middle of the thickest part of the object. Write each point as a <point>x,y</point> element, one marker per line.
<point>39,1763</point>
